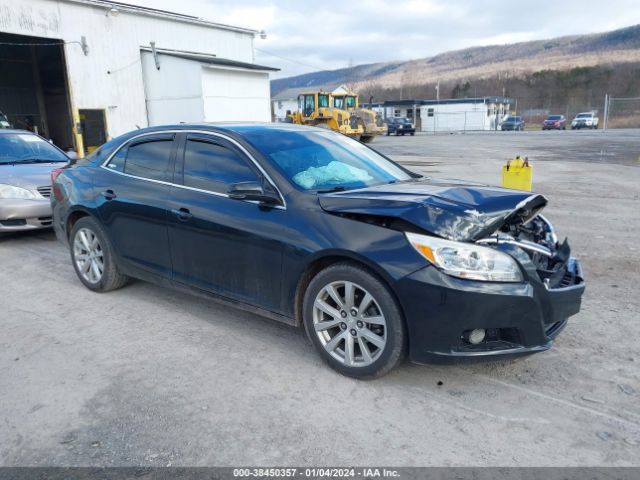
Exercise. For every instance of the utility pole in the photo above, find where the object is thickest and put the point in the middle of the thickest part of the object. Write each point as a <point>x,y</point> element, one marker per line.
<point>438,91</point>
<point>606,112</point>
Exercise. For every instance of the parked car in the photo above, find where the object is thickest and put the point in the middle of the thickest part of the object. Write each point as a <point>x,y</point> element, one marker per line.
<point>312,228</point>
<point>585,120</point>
<point>400,126</point>
<point>554,122</point>
<point>512,123</point>
<point>26,162</point>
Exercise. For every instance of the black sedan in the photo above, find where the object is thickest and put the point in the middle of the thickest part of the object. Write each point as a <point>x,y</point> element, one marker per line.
<point>312,228</point>
<point>400,126</point>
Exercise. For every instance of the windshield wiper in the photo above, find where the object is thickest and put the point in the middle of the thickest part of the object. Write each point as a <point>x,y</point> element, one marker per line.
<point>338,188</point>
<point>34,160</point>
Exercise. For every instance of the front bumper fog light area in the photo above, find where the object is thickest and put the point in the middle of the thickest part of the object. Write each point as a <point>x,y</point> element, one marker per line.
<point>476,336</point>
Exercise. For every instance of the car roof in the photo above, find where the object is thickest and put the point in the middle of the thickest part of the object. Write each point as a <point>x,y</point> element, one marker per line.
<point>234,127</point>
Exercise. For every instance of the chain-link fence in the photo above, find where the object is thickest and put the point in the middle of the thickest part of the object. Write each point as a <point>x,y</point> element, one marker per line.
<point>622,112</point>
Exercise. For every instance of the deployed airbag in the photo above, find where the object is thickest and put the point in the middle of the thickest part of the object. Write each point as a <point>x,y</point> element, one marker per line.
<point>334,173</point>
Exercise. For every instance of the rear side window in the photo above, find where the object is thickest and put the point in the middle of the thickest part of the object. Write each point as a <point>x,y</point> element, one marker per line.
<point>150,159</point>
<point>117,161</point>
<point>213,167</point>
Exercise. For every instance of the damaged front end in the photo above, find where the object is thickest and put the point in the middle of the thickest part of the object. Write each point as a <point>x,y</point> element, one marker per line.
<point>552,260</point>
<point>498,281</point>
<point>514,311</point>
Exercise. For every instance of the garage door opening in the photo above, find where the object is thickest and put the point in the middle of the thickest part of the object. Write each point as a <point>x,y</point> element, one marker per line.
<point>33,87</point>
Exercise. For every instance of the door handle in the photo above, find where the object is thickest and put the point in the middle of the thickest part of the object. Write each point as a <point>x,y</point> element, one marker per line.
<point>109,194</point>
<point>183,214</point>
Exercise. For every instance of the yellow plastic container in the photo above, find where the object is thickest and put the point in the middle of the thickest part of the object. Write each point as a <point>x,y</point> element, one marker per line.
<point>517,174</point>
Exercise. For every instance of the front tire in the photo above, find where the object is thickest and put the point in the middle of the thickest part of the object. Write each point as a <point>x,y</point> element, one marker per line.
<point>93,258</point>
<point>354,322</point>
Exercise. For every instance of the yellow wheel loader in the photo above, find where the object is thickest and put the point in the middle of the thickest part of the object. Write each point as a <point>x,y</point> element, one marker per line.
<point>370,120</point>
<point>316,109</point>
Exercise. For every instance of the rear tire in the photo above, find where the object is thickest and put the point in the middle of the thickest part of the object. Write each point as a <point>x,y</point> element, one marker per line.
<point>93,258</point>
<point>359,334</point>
<point>367,138</point>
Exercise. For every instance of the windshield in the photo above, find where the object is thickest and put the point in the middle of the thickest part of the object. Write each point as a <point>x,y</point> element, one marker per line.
<point>554,117</point>
<point>403,120</point>
<point>28,148</point>
<point>323,101</point>
<point>584,115</point>
<point>351,102</point>
<point>317,160</point>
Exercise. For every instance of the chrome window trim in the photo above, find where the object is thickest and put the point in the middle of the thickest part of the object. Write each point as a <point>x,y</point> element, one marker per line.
<point>172,184</point>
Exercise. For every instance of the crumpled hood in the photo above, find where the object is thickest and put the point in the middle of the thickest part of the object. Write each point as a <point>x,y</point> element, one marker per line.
<point>450,209</point>
<point>28,175</point>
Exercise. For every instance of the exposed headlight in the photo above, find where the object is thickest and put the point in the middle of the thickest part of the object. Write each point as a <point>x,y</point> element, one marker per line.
<point>11,191</point>
<point>466,260</point>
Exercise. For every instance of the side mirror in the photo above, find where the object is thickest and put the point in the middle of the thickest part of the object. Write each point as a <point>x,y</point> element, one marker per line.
<point>253,191</point>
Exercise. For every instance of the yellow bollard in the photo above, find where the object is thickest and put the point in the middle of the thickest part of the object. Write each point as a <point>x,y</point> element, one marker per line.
<point>517,174</point>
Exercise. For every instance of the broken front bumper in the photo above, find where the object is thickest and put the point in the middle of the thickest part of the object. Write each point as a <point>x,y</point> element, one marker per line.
<point>519,318</point>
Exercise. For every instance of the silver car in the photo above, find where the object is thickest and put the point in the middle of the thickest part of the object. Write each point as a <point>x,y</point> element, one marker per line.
<point>26,162</point>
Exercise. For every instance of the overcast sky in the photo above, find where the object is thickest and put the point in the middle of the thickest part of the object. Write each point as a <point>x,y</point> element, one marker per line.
<point>330,34</point>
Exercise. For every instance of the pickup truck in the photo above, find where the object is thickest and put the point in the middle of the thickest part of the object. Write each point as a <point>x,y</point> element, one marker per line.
<point>585,120</point>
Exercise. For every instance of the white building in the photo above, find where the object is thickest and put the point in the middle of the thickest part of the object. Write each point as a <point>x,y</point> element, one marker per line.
<point>81,71</point>
<point>287,100</point>
<point>449,115</point>
<point>463,114</point>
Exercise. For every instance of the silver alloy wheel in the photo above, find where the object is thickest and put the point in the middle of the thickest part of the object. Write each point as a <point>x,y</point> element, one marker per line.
<point>349,323</point>
<point>87,253</point>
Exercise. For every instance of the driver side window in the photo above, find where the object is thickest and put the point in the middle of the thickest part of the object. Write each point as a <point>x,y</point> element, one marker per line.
<point>213,167</point>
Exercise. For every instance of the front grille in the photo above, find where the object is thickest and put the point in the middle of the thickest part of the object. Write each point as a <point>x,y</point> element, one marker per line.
<point>45,191</point>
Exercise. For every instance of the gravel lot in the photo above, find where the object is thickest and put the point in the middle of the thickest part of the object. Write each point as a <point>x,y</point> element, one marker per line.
<point>148,376</point>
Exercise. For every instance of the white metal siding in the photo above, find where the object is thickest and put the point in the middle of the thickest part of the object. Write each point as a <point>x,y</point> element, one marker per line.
<point>280,108</point>
<point>451,117</point>
<point>235,95</point>
<point>173,93</point>
<point>110,76</point>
